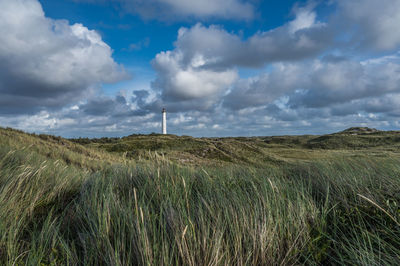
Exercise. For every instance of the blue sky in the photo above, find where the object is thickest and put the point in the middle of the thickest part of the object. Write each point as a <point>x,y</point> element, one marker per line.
<point>221,67</point>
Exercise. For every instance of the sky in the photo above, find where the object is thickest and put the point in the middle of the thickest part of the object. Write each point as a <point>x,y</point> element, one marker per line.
<point>102,68</point>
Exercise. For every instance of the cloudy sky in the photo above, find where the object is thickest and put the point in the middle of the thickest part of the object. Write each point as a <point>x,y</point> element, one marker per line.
<point>97,68</point>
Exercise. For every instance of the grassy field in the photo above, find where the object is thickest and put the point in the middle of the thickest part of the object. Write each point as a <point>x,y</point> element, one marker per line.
<point>168,200</point>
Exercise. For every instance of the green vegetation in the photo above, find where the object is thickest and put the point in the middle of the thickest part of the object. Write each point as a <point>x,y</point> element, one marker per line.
<point>166,200</point>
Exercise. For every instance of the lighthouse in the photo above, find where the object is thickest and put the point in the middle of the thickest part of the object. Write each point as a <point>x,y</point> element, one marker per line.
<point>164,121</point>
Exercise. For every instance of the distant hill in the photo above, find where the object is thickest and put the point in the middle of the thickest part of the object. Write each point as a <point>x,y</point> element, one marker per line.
<point>247,150</point>
<point>359,131</point>
<point>254,151</point>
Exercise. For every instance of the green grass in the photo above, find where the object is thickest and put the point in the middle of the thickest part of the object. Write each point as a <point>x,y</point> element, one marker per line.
<point>263,203</point>
<point>257,152</point>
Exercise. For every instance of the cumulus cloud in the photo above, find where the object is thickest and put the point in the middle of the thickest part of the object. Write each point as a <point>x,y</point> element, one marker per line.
<point>48,63</point>
<point>180,81</point>
<point>375,107</point>
<point>101,106</point>
<point>189,84</point>
<point>312,83</point>
<point>330,83</point>
<point>184,9</point>
<point>205,55</point>
<point>213,46</point>
<point>372,24</point>
<point>322,88</point>
<point>265,88</point>
<point>203,65</point>
<point>310,75</point>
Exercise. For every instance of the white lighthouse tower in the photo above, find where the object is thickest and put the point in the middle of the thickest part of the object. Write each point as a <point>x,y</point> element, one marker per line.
<point>164,121</point>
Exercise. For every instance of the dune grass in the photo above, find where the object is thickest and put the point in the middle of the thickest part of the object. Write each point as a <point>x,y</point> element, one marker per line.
<point>156,212</point>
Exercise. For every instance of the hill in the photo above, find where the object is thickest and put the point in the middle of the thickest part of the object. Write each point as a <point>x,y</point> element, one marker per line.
<point>253,151</point>
<point>359,131</point>
<point>164,199</point>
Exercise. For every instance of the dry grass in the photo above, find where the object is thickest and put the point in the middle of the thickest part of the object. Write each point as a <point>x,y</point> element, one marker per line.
<point>80,205</point>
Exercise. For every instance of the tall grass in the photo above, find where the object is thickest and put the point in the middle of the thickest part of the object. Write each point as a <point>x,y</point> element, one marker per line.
<point>158,213</point>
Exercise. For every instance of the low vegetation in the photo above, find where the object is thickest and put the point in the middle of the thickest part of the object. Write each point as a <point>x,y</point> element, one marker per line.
<point>167,200</point>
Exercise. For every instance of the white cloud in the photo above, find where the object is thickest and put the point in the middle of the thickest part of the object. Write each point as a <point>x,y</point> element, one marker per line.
<point>321,88</point>
<point>301,38</point>
<point>185,9</point>
<point>202,66</point>
<point>374,24</point>
<point>48,63</point>
<point>305,19</point>
<point>180,81</point>
<point>317,80</point>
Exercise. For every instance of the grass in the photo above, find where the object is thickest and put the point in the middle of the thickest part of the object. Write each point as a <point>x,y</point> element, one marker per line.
<point>269,204</point>
<point>257,152</point>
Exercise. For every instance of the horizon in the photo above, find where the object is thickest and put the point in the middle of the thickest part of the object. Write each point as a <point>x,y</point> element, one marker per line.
<point>95,68</point>
<point>183,135</point>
